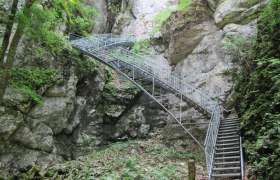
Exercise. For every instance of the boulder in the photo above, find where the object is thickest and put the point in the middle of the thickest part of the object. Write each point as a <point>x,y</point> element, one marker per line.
<point>10,120</point>
<point>56,91</point>
<point>53,112</point>
<point>39,137</point>
<point>75,119</point>
<point>144,130</point>
<point>14,98</point>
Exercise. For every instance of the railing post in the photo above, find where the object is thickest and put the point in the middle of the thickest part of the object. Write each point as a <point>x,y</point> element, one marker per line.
<point>133,73</point>
<point>153,86</point>
<point>191,169</point>
<point>181,100</point>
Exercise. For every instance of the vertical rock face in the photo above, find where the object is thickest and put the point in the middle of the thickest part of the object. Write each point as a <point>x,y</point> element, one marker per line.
<point>138,16</point>
<point>91,109</point>
<point>194,46</point>
<point>100,25</point>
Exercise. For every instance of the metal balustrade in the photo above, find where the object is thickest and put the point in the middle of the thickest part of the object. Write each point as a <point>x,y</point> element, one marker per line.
<point>157,82</point>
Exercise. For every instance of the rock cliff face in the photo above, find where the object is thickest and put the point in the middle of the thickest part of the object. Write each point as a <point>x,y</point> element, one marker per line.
<point>79,112</point>
<point>194,47</point>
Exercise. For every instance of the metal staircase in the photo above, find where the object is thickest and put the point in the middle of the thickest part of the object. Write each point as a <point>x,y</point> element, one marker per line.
<point>159,82</point>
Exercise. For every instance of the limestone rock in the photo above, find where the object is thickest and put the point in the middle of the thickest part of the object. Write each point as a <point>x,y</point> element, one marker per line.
<point>56,91</point>
<point>184,30</point>
<point>39,137</point>
<point>138,17</point>
<point>9,122</point>
<point>213,4</point>
<point>183,43</point>
<point>238,11</point>
<point>101,19</point>
<point>114,110</point>
<point>13,98</point>
<point>52,112</point>
<point>144,130</point>
<point>75,120</point>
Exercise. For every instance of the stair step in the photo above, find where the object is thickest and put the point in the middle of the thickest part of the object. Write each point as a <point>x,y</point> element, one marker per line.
<point>228,125</point>
<point>229,130</point>
<point>228,140</point>
<point>228,153</point>
<point>231,118</point>
<point>229,122</point>
<point>228,148</point>
<point>231,127</point>
<point>226,137</point>
<point>228,144</point>
<point>226,163</point>
<point>227,175</point>
<point>230,133</point>
<point>226,169</point>
<point>226,158</point>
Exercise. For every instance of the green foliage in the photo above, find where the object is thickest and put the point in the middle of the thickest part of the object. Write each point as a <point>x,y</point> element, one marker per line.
<point>118,93</point>
<point>240,48</point>
<point>259,99</point>
<point>260,106</point>
<point>142,47</point>
<point>29,81</point>
<point>268,30</point>
<point>114,6</point>
<point>42,22</point>
<point>84,66</point>
<point>183,5</point>
<point>122,160</point>
<point>160,18</point>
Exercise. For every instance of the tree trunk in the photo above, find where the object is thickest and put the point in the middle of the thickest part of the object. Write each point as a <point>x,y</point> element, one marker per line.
<point>12,51</point>
<point>8,31</point>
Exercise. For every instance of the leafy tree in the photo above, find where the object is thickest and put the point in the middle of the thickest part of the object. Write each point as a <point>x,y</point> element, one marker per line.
<point>39,21</point>
<point>8,31</point>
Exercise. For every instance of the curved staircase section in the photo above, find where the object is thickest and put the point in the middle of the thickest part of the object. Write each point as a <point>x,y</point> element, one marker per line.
<point>222,138</point>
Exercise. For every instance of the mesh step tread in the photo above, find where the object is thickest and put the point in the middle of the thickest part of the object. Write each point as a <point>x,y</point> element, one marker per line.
<point>228,157</point>
<point>226,163</point>
<point>225,137</point>
<point>230,133</point>
<point>229,148</point>
<point>226,168</point>
<point>231,118</point>
<point>228,125</point>
<point>227,144</point>
<point>231,152</point>
<point>229,130</point>
<point>227,175</point>
<point>231,127</point>
<point>229,140</point>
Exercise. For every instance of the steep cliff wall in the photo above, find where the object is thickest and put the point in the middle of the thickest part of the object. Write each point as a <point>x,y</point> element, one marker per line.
<point>85,109</point>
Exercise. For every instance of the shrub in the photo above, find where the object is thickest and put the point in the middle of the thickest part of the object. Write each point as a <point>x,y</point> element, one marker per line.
<point>29,81</point>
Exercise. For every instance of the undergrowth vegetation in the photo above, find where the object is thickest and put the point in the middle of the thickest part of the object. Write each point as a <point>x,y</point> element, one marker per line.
<point>148,159</point>
<point>30,81</point>
<point>259,98</point>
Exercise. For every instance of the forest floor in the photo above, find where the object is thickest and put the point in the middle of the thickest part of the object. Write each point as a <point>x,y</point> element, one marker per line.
<point>137,159</point>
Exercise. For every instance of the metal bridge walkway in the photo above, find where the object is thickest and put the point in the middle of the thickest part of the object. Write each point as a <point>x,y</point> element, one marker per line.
<point>159,82</point>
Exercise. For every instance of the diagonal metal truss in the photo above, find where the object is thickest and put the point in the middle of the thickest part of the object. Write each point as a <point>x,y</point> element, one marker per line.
<point>157,82</point>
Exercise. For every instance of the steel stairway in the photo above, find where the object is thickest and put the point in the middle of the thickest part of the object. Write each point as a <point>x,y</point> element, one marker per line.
<point>159,82</point>
<point>228,152</point>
